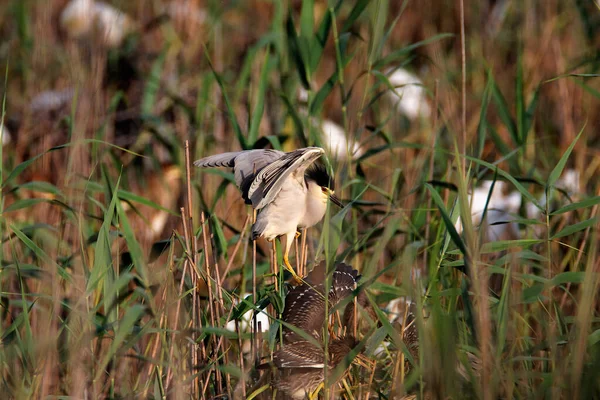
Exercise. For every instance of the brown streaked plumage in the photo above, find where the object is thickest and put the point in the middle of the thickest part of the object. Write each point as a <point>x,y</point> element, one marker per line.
<point>305,304</point>
<point>301,365</point>
<point>410,336</point>
<point>298,366</point>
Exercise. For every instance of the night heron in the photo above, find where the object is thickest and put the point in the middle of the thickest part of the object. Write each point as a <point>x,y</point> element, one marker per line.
<point>299,364</point>
<point>289,190</point>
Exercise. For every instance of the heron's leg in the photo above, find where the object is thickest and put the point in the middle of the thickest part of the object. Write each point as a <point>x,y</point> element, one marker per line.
<point>315,394</point>
<point>295,276</point>
<point>286,260</point>
<point>298,234</point>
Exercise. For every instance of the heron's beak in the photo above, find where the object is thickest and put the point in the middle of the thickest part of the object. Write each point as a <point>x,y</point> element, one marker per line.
<point>335,200</point>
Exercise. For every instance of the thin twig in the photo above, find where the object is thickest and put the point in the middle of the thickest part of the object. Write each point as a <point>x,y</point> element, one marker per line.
<point>178,307</point>
<point>209,282</point>
<point>431,158</point>
<point>254,343</point>
<point>304,251</point>
<point>235,250</point>
<point>463,53</point>
<point>192,246</point>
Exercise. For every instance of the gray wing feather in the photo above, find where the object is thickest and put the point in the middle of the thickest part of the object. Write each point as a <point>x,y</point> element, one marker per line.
<point>268,183</point>
<point>253,161</point>
<point>218,160</point>
<point>244,163</point>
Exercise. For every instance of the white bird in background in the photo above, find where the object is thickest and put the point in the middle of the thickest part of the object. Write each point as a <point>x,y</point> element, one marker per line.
<point>262,318</point>
<point>5,134</point>
<point>333,136</point>
<point>335,139</point>
<point>408,95</point>
<point>185,12</point>
<point>51,100</point>
<point>500,209</point>
<point>568,182</point>
<point>82,18</point>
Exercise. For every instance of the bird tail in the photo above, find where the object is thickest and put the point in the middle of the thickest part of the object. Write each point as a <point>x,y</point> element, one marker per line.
<point>344,278</point>
<point>258,228</point>
<point>218,160</point>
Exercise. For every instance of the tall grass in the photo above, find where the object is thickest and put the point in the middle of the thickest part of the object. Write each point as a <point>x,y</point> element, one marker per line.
<point>121,265</point>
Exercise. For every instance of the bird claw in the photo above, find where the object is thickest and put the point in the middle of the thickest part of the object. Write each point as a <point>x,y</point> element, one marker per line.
<point>297,280</point>
<point>298,234</point>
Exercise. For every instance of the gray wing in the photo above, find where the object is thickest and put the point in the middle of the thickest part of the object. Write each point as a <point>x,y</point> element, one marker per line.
<point>244,163</point>
<point>269,181</point>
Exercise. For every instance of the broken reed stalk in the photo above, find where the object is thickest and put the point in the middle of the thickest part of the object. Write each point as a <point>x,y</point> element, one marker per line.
<point>219,310</point>
<point>211,300</point>
<point>254,343</point>
<point>162,325</point>
<point>241,355</point>
<point>371,378</point>
<point>193,276</point>
<point>235,251</point>
<point>188,226</point>
<point>355,317</point>
<point>176,323</point>
<point>272,262</point>
<point>430,172</point>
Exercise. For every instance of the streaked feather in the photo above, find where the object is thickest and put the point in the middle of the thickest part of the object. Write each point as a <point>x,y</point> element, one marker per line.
<point>299,365</point>
<point>299,354</point>
<point>305,304</point>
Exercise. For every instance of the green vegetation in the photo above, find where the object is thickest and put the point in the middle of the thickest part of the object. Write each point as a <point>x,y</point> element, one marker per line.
<point>109,238</point>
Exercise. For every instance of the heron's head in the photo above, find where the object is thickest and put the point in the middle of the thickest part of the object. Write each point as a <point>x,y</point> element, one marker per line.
<point>321,184</point>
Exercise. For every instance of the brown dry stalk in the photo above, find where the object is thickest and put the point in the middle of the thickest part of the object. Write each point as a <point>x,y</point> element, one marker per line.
<point>463,54</point>
<point>253,343</point>
<point>211,299</point>
<point>235,251</point>
<point>297,247</point>
<point>176,319</point>
<point>431,159</point>
<point>579,255</point>
<point>304,252</point>
<point>241,357</point>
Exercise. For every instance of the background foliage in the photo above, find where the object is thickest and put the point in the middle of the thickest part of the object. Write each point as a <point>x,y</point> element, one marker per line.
<point>103,283</point>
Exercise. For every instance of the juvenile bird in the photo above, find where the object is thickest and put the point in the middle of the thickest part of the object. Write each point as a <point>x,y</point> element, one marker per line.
<point>289,190</point>
<point>298,366</point>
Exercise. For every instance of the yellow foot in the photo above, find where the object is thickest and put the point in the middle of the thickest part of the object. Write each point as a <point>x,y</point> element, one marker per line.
<point>298,234</point>
<point>297,280</point>
<point>315,394</point>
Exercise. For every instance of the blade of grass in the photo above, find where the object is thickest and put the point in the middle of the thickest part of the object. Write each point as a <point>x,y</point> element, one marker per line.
<point>558,169</point>
<point>259,107</point>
